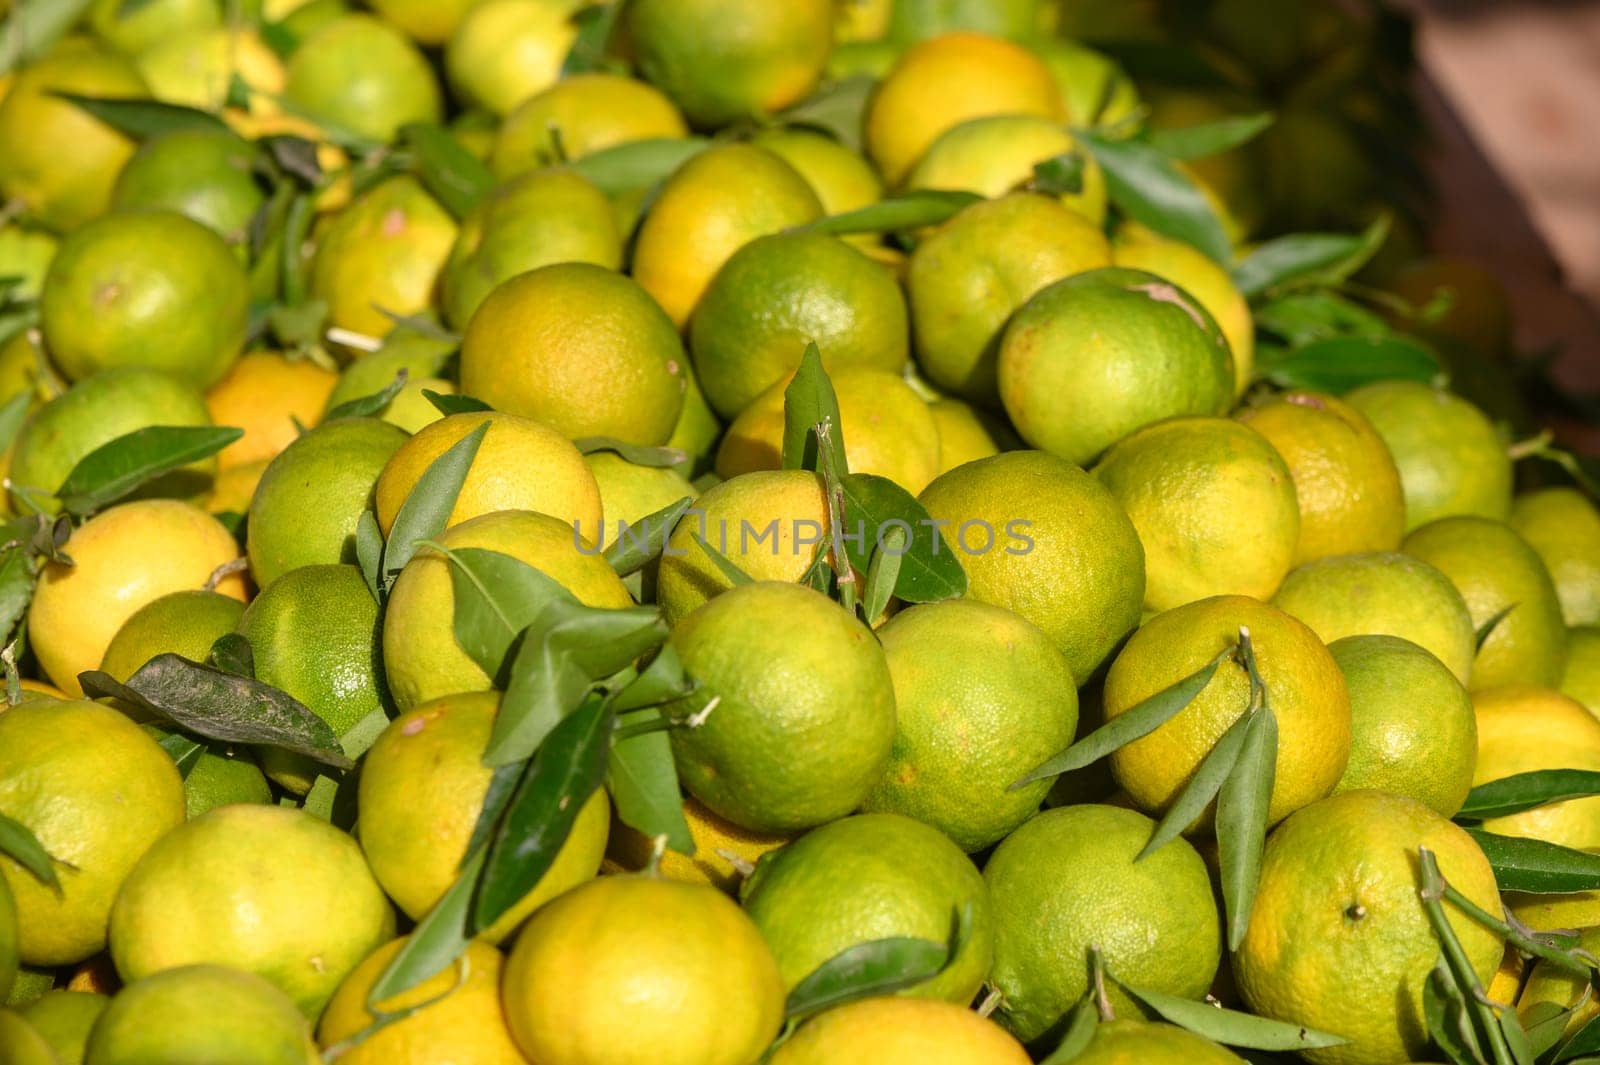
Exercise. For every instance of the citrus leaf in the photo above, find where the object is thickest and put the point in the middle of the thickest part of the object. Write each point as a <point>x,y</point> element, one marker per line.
<point>496,598</point>
<point>369,552</point>
<point>231,653</point>
<point>1445,1010</point>
<point>183,749</point>
<point>657,457</point>
<point>1209,138</point>
<point>1527,791</point>
<point>1146,185</point>
<point>1585,1040</point>
<point>118,466</point>
<point>1486,630</point>
<point>454,176</point>
<point>1231,1027</point>
<point>1060,175</point>
<point>637,164</point>
<point>882,573</point>
<point>1515,1036</point>
<point>1242,820</point>
<point>422,325</point>
<point>662,681</point>
<point>835,109</point>
<point>143,119</point>
<point>1536,866</point>
<point>1137,721</point>
<point>595,24</point>
<point>643,780</point>
<point>502,785</point>
<point>1081,1025</point>
<point>438,940</point>
<point>17,581</point>
<point>723,563</point>
<point>1545,1023</point>
<point>874,507</point>
<point>448,403</point>
<point>12,413</point>
<point>1202,787</point>
<point>32,29</point>
<point>809,401</point>
<point>867,970</point>
<point>909,210</point>
<point>636,546</point>
<point>1308,258</point>
<point>18,843</point>
<point>1302,317</point>
<point>369,406</point>
<point>569,767</point>
<point>427,509</point>
<point>1339,364</point>
<point>221,706</point>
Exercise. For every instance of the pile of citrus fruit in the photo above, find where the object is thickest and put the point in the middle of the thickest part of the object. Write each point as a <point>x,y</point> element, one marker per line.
<point>706,532</point>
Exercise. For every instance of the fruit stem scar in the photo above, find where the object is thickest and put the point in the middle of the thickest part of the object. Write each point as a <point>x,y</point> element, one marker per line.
<point>1355,911</point>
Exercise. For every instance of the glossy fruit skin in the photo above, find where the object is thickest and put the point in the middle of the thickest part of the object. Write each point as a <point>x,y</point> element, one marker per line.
<point>363,75</point>
<point>199,173</point>
<point>1564,528</point>
<point>1523,728</point>
<point>593,112</point>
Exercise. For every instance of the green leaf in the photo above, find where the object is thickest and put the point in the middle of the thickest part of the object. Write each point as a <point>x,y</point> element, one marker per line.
<point>1339,364</point>
<point>1536,866</point>
<point>31,30</point>
<point>882,572</point>
<point>1202,787</point>
<point>1209,138</point>
<point>1526,791</point>
<point>1585,1040</point>
<point>595,25</point>
<point>893,214</point>
<point>723,563</point>
<point>18,843</point>
<point>655,457</point>
<point>1516,1037</point>
<point>502,785</point>
<point>183,749</point>
<point>1545,1023</point>
<point>1231,1027</point>
<point>231,653</point>
<point>837,110</point>
<point>1136,722</point>
<point>455,177</point>
<point>426,510</point>
<point>1302,317</point>
<point>142,119</point>
<point>369,406</point>
<point>12,414</point>
<point>569,767</point>
<point>1146,185</point>
<point>117,467</point>
<point>1061,175</point>
<point>1449,1024</point>
<point>438,940</point>
<point>1242,820</point>
<point>637,164</point>
<point>867,970</point>
<point>809,401</point>
<point>448,403</point>
<point>1486,630</point>
<point>17,580</point>
<point>221,706</point>
<point>640,544</point>
<point>369,552</point>
<point>643,780</point>
<point>1308,258</point>
<point>930,568</point>
<point>496,598</point>
<point>1081,1025</point>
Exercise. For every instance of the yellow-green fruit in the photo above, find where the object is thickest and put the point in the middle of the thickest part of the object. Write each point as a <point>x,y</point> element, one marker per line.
<point>703,988</point>
<point>198,1014</point>
<point>806,715</point>
<point>421,657</point>
<point>57,160</point>
<point>21,1043</point>
<point>770,524</point>
<point>8,941</point>
<point>1042,538</point>
<point>581,348</point>
<point>900,1031</point>
<point>25,254</point>
<point>534,220</point>
<point>963,435</point>
<point>196,67</point>
<point>1345,480</point>
<point>886,427</point>
<point>421,357</point>
<point>982,697</point>
<point>505,51</point>
<point>966,279</point>
<point>1581,678</point>
<point>1548,913</point>
<point>697,429</point>
<point>1450,458</point>
<point>1412,727</point>
<point>841,178</point>
<point>1091,358</point>
<point>269,890</point>
<point>1094,89</point>
<point>1128,1042</point>
<point>422,788</point>
<point>96,792</point>
<point>709,208</point>
<point>361,74</point>
<point>1338,938</point>
<point>1067,881</point>
<point>631,493</point>
<point>578,116</point>
<point>780,293</point>
<point>1564,528</point>
<point>1495,570</point>
<point>918,20</point>
<point>182,623</point>
<point>145,288</point>
<point>64,1019</point>
<point>424,21</point>
<point>722,60</point>
<point>455,1011</point>
<point>871,876</point>
<point>721,850</point>
<point>218,775</point>
<point>384,252</point>
<point>996,154</point>
<point>1524,729</point>
<point>31,983</point>
<point>133,30</point>
<point>1214,505</point>
<point>202,173</point>
<point>311,497</point>
<point>1303,686</point>
<point>1201,277</point>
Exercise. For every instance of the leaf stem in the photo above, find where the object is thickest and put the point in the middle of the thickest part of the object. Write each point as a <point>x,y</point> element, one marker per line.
<point>1432,894</point>
<point>1520,935</point>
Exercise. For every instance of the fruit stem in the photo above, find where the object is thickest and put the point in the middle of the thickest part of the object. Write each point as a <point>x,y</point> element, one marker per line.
<point>1520,935</point>
<point>991,1002</point>
<point>658,848</point>
<point>1097,973</point>
<point>1433,891</point>
<point>224,571</point>
<point>1536,445</point>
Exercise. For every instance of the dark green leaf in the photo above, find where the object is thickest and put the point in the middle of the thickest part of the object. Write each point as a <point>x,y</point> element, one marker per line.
<point>638,545</point>
<point>19,844</point>
<point>296,156</point>
<point>221,706</point>
<point>1308,258</point>
<point>568,768</point>
<point>16,588</point>
<point>1302,317</point>
<point>1231,1027</point>
<point>1536,866</point>
<point>369,552</point>
<point>31,30</point>
<point>502,785</point>
<point>1339,364</point>
<point>1486,630</point>
<point>142,119</point>
<point>1515,1036</point>
<point>1545,1024</point>
<point>1061,175</point>
<point>809,401</point>
<point>874,507</point>
<point>452,403</point>
<point>369,406</point>
<point>657,457</point>
<point>455,177</point>
<point>1526,791</point>
<point>438,940</point>
<point>12,413</point>
<point>426,510</point>
<point>662,681</point>
<point>1242,819</point>
<point>1201,788</point>
<point>1585,1040</point>
<point>1081,1025</point>
<point>1169,63</point>
<point>298,327</point>
<point>867,970</point>
<point>909,210</point>
<point>638,164</point>
<point>1210,138</point>
<point>595,25</point>
<point>882,572</point>
<point>1448,1023</point>
<point>496,598</point>
<point>184,750</point>
<point>723,563</point>
<point>1135,723</point>
<point>117,467</point>
<point>1146,185</point>
<point>643,781</point>
<point>232,653</point>
<point>836,110</point>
